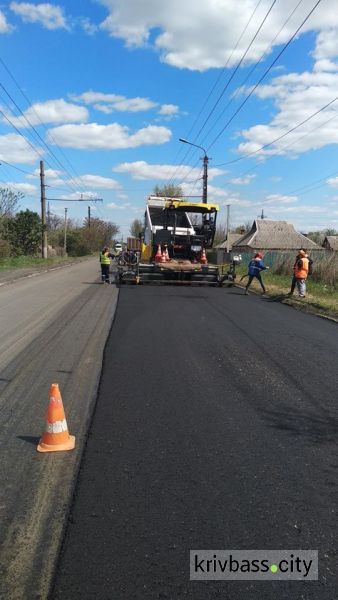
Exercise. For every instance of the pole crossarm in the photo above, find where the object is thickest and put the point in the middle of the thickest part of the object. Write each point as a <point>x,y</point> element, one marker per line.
<point>75,200</point>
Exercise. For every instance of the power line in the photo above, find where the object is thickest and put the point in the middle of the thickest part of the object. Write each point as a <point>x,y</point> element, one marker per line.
<point>242,84</point>
<point>265,73</point>
<point>230,162</point>
<point>281,150</point>
<point>37,116</point>
<point>235,71</point>
<point>260,59</point>
<point>50,152</point>
<point>189,149</point>
<point>2,161</point>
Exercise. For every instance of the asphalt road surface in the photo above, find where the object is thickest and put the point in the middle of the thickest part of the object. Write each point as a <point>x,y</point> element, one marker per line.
<point>216,427</point>
<point>53,330</point>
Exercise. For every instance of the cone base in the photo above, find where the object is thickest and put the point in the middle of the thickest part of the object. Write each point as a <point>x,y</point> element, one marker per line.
<point>69,445</point>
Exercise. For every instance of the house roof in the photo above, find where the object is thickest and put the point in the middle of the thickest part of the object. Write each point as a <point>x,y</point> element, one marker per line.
<point>331,242</point>
<point>274,235</point>
<point>233,237</point>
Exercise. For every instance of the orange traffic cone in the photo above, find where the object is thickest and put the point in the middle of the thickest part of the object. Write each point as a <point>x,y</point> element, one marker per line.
<point>56,436</point>
<point>158,255</point>
<point>203,259</point>
<point>166,254</point>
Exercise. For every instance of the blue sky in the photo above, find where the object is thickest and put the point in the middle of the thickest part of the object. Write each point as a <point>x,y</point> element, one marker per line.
<point>111,85</point>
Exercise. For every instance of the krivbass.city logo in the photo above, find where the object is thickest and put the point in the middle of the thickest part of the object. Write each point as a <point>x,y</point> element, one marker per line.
<point>254,564</point>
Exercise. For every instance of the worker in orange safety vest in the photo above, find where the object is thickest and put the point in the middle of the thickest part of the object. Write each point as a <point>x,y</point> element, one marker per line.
<point>300,271</point>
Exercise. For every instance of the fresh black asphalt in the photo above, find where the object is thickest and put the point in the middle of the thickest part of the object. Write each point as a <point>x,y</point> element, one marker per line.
<point>216,427</point>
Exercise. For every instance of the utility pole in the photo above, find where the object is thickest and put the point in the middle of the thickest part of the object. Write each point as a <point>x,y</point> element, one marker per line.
<point>228,228</point>
<point>205,178</point>
<point>48,217</point>
<point>88,217</point>
<point>205,169</point>
<point>43,211</point>
<point>65,234</point>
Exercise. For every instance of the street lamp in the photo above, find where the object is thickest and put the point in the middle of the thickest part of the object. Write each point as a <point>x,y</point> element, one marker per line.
<point>205,169</point>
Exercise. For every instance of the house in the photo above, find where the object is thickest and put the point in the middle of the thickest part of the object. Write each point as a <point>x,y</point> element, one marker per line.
<point>331,243</point>
<point>233,237</point>
<point>269,235</point>
<point>221,249</point>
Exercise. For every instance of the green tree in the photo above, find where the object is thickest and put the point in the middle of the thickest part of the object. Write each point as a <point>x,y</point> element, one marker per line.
<point>99,234</point>
<point>24,232</point>
<point>136,228</point>
<point>168,191</point>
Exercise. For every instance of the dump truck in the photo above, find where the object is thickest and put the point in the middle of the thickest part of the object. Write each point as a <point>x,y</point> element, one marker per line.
<point>173,248</point>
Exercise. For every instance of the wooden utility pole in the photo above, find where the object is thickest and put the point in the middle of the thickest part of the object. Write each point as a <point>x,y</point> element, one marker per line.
<point>43,211</point>
<point>228,228</point>
<point>65,234</point>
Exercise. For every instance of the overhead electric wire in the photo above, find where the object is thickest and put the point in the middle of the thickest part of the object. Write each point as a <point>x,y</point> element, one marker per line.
<point>265,73</point>
<point>230,162</point>
<point>37,115</point>
<point>32,173</point>
<point>281,150</point>
<point>236,69</point>
<point>36,133</point>
<point>242,84</point>
<point>260,59</point>
<point>234,72</point>
<point>212,90</point>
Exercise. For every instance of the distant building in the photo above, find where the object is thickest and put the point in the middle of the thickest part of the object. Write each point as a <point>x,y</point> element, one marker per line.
<point>221,249</point>
<point>331,243</point>
<point>273,235</point>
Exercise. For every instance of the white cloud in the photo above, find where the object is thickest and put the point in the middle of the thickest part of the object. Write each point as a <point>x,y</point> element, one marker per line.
<point>197,35</point>
<point>89,27</point>
<point>115,206</point>
<point>26,188</point>
<point>52,176</point>
<point>96,181</point>
<point>243,180</point>
<point>143,170</point>
<point>107,137</point>
<point>333,182</point>
<point>168,110</point>
<point>126,105</point>
<point>48,15</point>
<point>51,111</point>
<point>15,149</point>
<point>109,103</point>
<point>280,199</point>
<point>5,27</point>
<point>296,96</point>
<point>88,195</point>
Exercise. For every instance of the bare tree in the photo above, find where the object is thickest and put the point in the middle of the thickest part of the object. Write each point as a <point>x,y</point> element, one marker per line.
<point>168,191</point>
<point>136,228</point>
<point>9,202</point>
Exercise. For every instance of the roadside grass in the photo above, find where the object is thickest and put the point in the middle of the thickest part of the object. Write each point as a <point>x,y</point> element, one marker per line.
<point>24,262</point>
<point>320,297</point>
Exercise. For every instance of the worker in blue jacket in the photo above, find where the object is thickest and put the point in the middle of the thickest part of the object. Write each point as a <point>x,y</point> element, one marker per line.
<point>256,265</point>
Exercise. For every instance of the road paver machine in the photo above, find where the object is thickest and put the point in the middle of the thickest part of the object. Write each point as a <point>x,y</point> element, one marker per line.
<point>173,249</point>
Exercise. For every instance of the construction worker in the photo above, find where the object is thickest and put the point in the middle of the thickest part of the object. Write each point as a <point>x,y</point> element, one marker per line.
<point>105,257</point>
<point>256,265</point>
<point>299,256</point>
<point>300,273</point>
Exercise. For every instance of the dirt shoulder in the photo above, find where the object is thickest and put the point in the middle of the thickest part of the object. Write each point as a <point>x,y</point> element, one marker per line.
<point>308,304</point>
